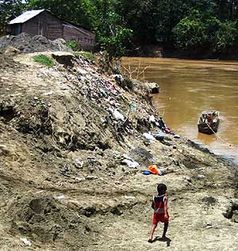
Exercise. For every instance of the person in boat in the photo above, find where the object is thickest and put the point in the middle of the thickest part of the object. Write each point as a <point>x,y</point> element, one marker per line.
<point>210,117</point>
<point>160,206</point>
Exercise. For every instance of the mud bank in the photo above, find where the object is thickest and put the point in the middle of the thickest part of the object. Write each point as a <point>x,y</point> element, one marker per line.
<point>73,145</point>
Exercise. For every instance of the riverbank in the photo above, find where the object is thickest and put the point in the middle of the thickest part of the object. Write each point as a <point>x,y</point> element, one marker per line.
<point>202,85</point>
<point>161,51</point>
<point>73,148</point>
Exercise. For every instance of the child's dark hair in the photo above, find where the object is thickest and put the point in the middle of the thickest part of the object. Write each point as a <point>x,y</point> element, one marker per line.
<point>161,188</point>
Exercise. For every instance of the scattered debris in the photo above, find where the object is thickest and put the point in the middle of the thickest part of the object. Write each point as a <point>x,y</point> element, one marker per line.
<point>117,115</point>
<point>154,170</point>
<point>231,211</point>
<point>130,163</point>
<point>60,197</point>
<point>26,241</point>
<point>149,136</point>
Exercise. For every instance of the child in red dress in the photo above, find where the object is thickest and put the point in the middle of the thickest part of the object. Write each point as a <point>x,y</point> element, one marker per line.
<point>160,206</point>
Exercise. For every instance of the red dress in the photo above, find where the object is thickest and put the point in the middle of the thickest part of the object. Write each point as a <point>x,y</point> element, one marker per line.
<point>160,209</point>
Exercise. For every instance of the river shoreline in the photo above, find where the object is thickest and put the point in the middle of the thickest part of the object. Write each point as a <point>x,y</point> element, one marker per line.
<point>195,54</point>
<point>202,85</point>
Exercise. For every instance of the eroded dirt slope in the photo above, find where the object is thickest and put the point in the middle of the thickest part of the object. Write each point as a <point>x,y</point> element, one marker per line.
<point>68,136</point>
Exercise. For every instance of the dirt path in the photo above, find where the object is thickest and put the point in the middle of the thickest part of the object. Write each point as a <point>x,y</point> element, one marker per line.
<point>195,225</point>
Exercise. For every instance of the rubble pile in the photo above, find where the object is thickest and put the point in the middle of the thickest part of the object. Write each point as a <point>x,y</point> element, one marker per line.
<point>28,43</point>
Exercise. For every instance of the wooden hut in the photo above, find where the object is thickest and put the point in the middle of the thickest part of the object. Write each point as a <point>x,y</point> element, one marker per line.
<point>42,22</point>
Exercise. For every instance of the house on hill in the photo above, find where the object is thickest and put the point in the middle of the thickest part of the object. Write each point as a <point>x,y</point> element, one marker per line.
<point>42,22</point>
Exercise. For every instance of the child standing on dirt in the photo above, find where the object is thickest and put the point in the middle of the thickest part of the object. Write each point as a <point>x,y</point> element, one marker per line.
<point>160,206</point>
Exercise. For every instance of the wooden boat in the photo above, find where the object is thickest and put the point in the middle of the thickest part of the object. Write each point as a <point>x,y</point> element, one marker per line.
<point>208,122</point>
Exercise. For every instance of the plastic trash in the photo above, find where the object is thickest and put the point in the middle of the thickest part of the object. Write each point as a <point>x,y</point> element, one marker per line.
<point>154,170</point>
<point>78,163</point>
<point>152,119</point>
<point>146,172</point>
<point>60,197</point>
<point>48,93</point>
<point>133,107</point>
<point>130,163</point>
<point>25,241</point>
<point>117,115</point>
<point>148,136</point>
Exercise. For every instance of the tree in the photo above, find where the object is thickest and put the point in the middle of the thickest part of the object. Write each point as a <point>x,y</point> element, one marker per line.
<point>112,34</point>
<point>190,33</point>
<point>226,36</point>
<point>226,9</point>
<point>9,9</point>
<point>71,11</point>
<point>139,16</point>
<point>196,31</point>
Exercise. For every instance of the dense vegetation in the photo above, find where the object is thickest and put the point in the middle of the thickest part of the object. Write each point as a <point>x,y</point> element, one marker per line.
<point>197,26</point>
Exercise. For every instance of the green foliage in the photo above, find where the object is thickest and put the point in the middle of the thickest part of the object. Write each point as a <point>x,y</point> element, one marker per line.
<point>115,44</point>
<point>71,11</point>
<point>44,60</point>
<point>72,44</point>
<point>9,9</point>
<point>204,31</point>
<point>226,36</point>
<point>195,31</point>
<point>112,35</point>
<point>190,33</point>
<point>85,54</point>
<point>122,25</point>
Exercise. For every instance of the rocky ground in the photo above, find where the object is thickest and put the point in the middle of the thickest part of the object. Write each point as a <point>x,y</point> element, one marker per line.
<point>73,145</point>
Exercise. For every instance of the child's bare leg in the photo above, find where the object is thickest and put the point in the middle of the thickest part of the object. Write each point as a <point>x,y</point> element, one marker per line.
<point>166,225</point>
<point>152,231</point>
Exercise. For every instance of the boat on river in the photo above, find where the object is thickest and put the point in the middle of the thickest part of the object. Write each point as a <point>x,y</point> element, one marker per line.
<point>208,122</point>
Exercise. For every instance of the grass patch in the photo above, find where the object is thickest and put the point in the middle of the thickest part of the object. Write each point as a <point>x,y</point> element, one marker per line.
<point>44,60</point>
<point>73,44</point>
<point>86,54</point>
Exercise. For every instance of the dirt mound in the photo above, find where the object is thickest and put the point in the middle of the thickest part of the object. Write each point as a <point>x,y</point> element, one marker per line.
<point>6,61</point>
<point>46,219</point>
<point>28,43</point>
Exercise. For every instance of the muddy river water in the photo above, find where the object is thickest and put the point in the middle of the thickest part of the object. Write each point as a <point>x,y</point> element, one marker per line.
<point>189,87</point>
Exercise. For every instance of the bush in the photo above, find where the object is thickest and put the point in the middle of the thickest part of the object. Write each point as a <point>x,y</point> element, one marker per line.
<point>226,36</point>
<point>73,44</point>
<point>44,60</point>
<point>190,33</point>
<point>196,31</point>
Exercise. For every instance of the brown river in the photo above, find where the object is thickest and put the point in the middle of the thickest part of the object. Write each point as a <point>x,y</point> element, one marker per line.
<point>189,87</point>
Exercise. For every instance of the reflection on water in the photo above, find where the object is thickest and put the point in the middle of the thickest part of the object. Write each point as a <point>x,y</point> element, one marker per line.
<point>206,139</point>
<point>190,87</point>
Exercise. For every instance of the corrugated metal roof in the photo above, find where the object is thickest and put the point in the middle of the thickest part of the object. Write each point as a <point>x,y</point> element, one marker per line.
<point>25,16</point>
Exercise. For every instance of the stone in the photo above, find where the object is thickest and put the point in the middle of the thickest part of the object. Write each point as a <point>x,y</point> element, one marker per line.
<point>153,87</point>
<point>4,150</point>
<point>235,216</point>
<point>11,51</point>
